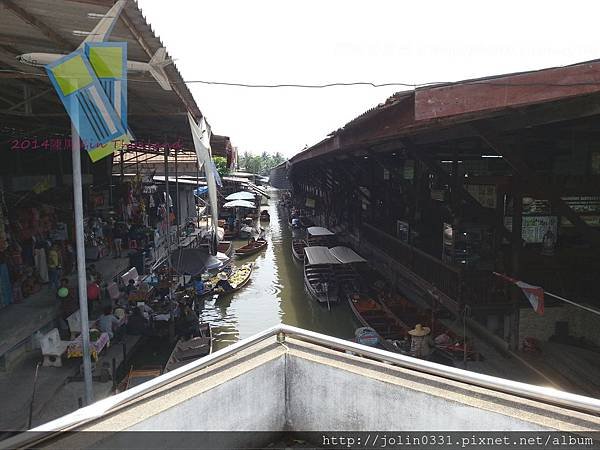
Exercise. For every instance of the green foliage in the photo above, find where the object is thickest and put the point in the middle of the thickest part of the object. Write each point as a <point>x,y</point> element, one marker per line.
<point>221,165</point>
<point>259,164</point>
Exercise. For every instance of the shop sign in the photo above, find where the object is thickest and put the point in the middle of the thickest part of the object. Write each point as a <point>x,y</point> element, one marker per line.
<point>532,206</point>
<point>535,227</point>
<point>150,189</point>
<point>583,203</point>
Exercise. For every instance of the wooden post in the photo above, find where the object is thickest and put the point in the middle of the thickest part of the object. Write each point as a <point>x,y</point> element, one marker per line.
<point>517,224</point>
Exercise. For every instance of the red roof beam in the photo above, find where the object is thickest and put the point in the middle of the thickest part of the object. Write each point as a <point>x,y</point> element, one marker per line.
<point>496,93</point>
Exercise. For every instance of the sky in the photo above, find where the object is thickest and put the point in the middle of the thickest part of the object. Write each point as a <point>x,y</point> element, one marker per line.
<point>324,41</point>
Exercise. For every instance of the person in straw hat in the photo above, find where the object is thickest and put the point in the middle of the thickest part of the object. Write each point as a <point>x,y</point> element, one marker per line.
<point>421,344</point>
<point>223,282</point>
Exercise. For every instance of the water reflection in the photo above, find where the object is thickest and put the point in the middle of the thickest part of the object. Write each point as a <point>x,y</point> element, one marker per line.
<point>274,295</point>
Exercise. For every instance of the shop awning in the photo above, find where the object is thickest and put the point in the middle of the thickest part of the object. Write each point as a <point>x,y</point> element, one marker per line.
<point>239,204</point>
<point>194,261</point>
<point>319,231</point>
<point>346,255</point>
<point>319,255</point>
<point>242,195</point>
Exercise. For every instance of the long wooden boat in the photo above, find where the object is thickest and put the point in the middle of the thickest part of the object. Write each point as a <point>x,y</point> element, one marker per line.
<point>321,284</point>
<point>298,249</point>
<point>320,237</point>
<point>319,277</point>
<point>225,247</point>
<point>238,279</point>
<point>186,351</point>
<point>251,248</point>
<point>372,314</point>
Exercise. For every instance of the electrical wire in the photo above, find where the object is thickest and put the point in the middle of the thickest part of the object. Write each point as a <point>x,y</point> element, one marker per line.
<point>489,82</point>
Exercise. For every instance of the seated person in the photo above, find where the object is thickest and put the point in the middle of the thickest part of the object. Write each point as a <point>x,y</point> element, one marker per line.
<point>223,283</point>
<point>199,285</point>
<point>136,323</point>
<point>187,324</point>
<point>108,323</point>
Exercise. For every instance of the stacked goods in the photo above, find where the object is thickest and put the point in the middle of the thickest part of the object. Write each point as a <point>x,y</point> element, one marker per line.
<point>240,275</point>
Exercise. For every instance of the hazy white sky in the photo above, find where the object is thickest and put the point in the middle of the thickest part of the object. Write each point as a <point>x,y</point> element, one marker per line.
<point>321,41</point>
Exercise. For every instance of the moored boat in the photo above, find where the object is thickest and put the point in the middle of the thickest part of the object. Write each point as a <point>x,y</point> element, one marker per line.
<point>186,351</point>
<point>237,279</point>
<point>320,237</point>
<point>298,246</point>
<point>319,276</point>
<point>225,247</point>
<point>251,248</point>
<point>372,314</point>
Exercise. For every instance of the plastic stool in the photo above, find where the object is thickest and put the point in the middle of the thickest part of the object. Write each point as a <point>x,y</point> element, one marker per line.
<point>133,244</point>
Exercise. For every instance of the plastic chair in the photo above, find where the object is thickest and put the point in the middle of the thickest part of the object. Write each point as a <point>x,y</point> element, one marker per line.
<point>53,348</point>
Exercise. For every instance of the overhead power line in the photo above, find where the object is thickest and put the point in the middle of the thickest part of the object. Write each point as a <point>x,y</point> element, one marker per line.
<point>489,82</point>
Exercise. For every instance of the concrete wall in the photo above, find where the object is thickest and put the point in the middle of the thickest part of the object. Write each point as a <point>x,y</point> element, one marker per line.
<point>321,397</point>
<point>581,323</point>
<point>254,401</point>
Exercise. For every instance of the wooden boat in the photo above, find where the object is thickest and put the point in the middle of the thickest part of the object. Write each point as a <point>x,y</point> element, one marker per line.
<point>298,249</point>
<point>186,351</point>
<point>374,315</point>
<point>138,376</point>
<point>225,247</point>
<point>251,248</point>
<point>320,237</point>
<point>238,279</point>
<point>319,277</point>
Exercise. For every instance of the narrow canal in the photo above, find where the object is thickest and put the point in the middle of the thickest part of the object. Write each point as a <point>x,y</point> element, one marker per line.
<point>275,294</point>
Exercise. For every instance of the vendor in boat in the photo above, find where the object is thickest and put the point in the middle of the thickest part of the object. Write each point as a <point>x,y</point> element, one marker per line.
<point>187,325</point>
<point>223,282</point>
<point>421,343</point>
<point>199,285</point>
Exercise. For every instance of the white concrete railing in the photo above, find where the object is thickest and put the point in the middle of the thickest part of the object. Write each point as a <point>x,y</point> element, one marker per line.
<point>109,405</point>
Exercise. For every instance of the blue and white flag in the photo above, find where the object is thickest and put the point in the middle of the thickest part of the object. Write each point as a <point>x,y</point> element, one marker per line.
<point>82,95</point>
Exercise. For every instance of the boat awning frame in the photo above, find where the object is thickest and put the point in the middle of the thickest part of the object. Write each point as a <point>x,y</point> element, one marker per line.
<point>346,255</point>
<point>319,231</point>
<point>319,255</point>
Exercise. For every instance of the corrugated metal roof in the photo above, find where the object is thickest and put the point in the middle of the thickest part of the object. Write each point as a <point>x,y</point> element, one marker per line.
<point>433,107</point>
<point>47,26</point>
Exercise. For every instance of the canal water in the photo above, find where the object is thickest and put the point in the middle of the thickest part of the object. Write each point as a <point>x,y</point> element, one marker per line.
<point>275,293</point>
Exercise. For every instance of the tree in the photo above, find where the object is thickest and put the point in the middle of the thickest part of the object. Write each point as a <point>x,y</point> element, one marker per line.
<point>221,165</point>
<point>260,165</point>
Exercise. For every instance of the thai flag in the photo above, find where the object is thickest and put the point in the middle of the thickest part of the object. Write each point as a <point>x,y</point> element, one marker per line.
<point>534,294</point>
